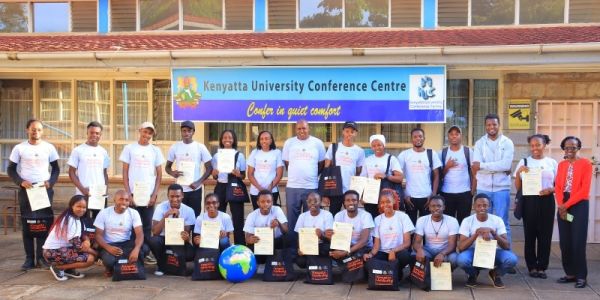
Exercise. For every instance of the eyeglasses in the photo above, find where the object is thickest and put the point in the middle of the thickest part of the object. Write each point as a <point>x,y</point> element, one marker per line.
<point>570,148</point>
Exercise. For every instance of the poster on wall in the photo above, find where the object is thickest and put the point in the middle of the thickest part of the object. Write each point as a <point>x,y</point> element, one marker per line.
<point>519,114</point>
<point>393,94</point>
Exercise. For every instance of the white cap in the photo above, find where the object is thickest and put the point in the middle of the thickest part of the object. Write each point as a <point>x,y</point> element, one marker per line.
<point>377,137</point>
<point>148,125</point>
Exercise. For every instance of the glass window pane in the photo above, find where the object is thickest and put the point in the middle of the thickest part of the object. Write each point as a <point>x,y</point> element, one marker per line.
<point>485,101</point>
<point>55,109</point>
<point>159,15</point>
<point>453,12</point>
<point>282,14</point>
<point>542,11</point>
<point>457,107</point>
<point>584,11</point>
<point>397,133</point>
<point>166,130</point>
<point>93,101</point>
<point>367,13</point>
<point>51,17</point>
<point>364,132</point>
<point>320,13</point>
<point>406,13</point>
<point>16,107</point>
<point>202,14</point>
<point>132,108</point>
<point>13,17</point>
<point>5,150</point>
<point>117,164</point>
<point>215,129</point>
<point>84,16</point>
<point>278,130</point>
<point>64,150</point>
<point>123,15</point>
<point>239,14</point>
<point>319,130</point>
<point>493,12</point>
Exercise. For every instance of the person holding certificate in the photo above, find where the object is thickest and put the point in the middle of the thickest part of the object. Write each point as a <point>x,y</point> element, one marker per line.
<point>392,234</point>
<point>266,218</point>
<point>211,213</point>
<point>572,186</point>
<point>172,208</point>
<point>538,209</point>
<point>376,165</point>
<point>28,166</point>
<point>228,140</point>
<point>142,174</point>
<point>484,226</point>
<point>311,228</point>
<point>189,157</point>
<point>88,165</point>
<point>265,168</point>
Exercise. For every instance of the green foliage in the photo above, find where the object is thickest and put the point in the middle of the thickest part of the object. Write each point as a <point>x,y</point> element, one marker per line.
<point>13,17</point>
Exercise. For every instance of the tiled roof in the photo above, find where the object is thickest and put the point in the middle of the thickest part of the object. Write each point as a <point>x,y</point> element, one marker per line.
<point>390,38</point>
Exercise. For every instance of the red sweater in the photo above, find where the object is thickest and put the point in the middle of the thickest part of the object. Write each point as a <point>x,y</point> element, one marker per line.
<point>582,179</point>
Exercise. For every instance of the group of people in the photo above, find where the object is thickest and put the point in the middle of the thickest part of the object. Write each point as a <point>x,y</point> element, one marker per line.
<point>434,223</point>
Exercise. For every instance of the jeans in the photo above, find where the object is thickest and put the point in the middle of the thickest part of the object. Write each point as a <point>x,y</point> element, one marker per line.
<point>430,254</point>
<point>499,206</point>
<point>505,260</point>
<point>296,203</point>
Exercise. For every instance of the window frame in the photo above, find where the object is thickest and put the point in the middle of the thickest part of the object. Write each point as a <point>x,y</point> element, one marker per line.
<point>31,19</point>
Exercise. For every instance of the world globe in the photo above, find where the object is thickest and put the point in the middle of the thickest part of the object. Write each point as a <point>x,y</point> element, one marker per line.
<point>237,263</point>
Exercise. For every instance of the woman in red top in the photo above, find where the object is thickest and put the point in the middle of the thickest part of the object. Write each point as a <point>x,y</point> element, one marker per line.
<point>572,187</point>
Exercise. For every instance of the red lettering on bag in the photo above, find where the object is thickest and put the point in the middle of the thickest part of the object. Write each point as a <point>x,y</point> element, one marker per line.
<point>355,264</point>
<point>279,271</point>
<point>129,269</point>
<point>418,273</point>
<point>319,275</point>
<point>40,227</point>
<point>172,260</point>
<point>238,192</point>
<point>384,280</point>
<point>208,267</point>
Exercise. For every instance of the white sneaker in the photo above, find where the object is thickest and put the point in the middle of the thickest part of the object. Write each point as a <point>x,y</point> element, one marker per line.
<point>158,273</point>
<point>58,274</point>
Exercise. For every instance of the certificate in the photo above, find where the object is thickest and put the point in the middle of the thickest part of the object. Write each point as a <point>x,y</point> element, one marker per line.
<point>226,160</point>
<point>141,193</point>
<point>358,183</point>
<point>38,196</point>
<point>342,236</point>
<point>211,231</point>
<point>309,241</point>
<point>532,182</point>
<point>441,278</point>
<point>485,253</point>
<point>188,168</point>
<point>97,197</point>
<point>371,193</point>
<point>173,229</point>
<point>265,243</point>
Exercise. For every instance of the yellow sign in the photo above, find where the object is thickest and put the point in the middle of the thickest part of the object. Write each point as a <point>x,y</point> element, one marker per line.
<point>519,114</point>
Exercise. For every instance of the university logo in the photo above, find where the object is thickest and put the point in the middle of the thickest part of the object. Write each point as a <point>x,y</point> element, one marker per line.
<point>426,92</point>
<point>187,95</point>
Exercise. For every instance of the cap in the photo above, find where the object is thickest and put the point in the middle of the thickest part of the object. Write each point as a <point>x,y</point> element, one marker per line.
<point>350,124</point>
<point>454,127</point>
<point>188,124</point>
<point>147,125</point>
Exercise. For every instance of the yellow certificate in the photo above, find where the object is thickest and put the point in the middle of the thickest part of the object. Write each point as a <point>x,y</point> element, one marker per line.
<point>211,232</point>
<point>173,229</point>
<point>358,183</point>
<point>371,193</point>
<point>485,253</point>
<point>97,196</point>
<point>532,182</point>
<point>226,160</point>
<point>441,278</point>
<point>309,241</point>
<point>188,168</point>
<point>141,193</point>
<point>342,236</point>
<point>266,241</point>
<point>38,196</point>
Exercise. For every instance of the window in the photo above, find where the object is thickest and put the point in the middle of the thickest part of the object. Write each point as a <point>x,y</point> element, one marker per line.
<point>166,130</point>
<point>492,12</point>
<point>453,12</point>
<point>47,16</point>
<point>406,13</point>
<point>159,14</point>
<point>457,103</point>
<point>84,16</point>
<point>542,11</point>
<point>93,104</point>
<point>485,101</point>
<point>239,14</point>
<point>366,13</point>
<point>55,109</point>
<point>282,14</point>
<point>132,108</point>
<point>50,17</point>
<point>206,14</point>
<point>122,15</point>
<point>584,11</point>
<point>13,17</point>
<point>320,14</point>
<point>16,107</point>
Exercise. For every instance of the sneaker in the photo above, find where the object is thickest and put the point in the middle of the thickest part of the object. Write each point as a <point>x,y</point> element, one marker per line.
<point>27,265</point>
<point>74,273</point>
<point>471,281</point>
<point>43,264</point>
<point>158,273</point>
<point>58,274</point>
<point>496,280</point>
<point>150,260</point>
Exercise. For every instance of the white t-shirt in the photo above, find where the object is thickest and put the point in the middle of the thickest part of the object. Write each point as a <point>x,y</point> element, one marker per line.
<point>33,161</point>
<point>457,179</point>
<point>192,152</point>
<point>185,212</point>
<point>390,231</point>
<point>142,161</point>
<point>240,165</point>
<point>117,227</point>
<point>323,221</point>
<point>417,171</point>
<point>256,219</point>
<point>445,228</point>
<point>348,158</point>
<point>548,166</point>
<point>303,157</point>
<point>470,224</point>
<point>73,231</point>
<point>374,165</point>
<point>222,218</point>
<point>90,163</point>
<point>363,220</point>
<point>265,166</point>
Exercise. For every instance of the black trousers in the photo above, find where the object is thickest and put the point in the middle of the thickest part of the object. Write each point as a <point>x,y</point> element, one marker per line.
<point>158,247</point>
<point>254,199</point>
<point>194,200</point>
<point>146,213</point>
<point>403,257</point>
<point>336,203</point>
<point>458,205</point>
<point>538,221</point>
<point>373,209</point>
<point>573,236</point>
<point>237,213</point>
<point>419,208</point>
<point>32,245</point>
<point>323,252</point>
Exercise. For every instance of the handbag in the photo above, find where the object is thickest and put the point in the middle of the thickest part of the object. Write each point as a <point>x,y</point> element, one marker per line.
<point>236,190</point>
<point>383,274</point>
<point>330,182</point>
<point>353,269</point>
<point>318,270</point>
<point>278,267</point>
<point>174,263</point>
<point>396,187</point>
<point>420,276</point>
<point>126,271</point>
<point>206,264</point>
<point>518,212</point>
<point>37,227</point>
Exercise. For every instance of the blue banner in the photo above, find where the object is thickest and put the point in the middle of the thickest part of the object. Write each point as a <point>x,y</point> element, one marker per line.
<point>405,94</point>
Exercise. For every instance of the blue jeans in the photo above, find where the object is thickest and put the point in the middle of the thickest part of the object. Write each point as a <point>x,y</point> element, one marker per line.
<point>505,260</point>
<point>499,207</point>
<point>430,254</point>
<point>295,201</point>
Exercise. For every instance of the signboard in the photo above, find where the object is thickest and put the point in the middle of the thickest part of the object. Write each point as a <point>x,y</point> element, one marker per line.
<point>519,114</point>
<point>406,94</point>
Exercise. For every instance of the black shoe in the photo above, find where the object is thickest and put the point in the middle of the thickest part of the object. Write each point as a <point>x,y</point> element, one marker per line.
<point>471,281</point>
<point>28,264</point>
<point>74,274</point>
<point>496,280</point>
<point>42,263</point>
<point>581,283</point>
<point>566,279</point>
<point>534,274</point>
<point>511,271</point>
<point>542,274</point>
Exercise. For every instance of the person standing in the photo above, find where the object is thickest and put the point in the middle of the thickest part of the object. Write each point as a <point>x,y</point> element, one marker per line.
<point>88,164</point>
<point>188,151</point>
<point>492,161</point>
<point>29,163</point>
<point>572,187</point>
<point>265,168</point>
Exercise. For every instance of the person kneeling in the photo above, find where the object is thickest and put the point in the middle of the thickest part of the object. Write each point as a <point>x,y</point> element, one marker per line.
<point>320,221</point>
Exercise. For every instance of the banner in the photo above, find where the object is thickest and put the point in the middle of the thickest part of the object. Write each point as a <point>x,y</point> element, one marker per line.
<point>404,94</point>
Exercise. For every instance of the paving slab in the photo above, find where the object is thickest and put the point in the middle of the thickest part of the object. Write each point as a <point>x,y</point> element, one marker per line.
<point>360,291</point>
<point>322,291</point>
<point>493,293</point>
<point>58,292</point>
<point>126,293</point>
<point>32,277</point>
<point>217,286</point>
<point>169,293</point>
<point>584,294</point>
<point>259,287</point>
<point>6,275</point>
<point>457,293</point>
<point>10,292</point>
